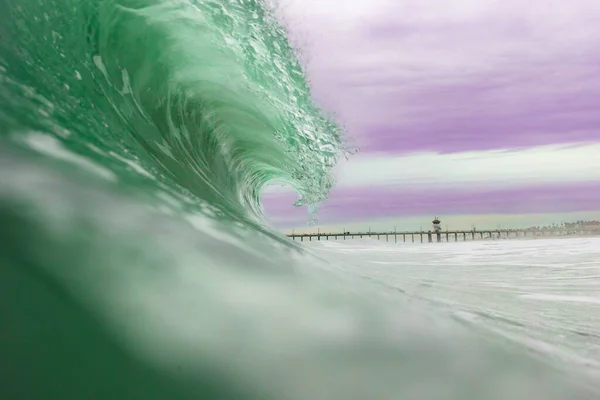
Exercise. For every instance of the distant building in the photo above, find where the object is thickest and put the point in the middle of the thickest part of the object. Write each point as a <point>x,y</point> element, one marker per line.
<point>437,228</point>
<point>436,225</point>
<point>584,226</point>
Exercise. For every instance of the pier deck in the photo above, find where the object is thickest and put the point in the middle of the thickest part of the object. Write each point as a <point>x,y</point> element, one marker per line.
<point>432,236</point>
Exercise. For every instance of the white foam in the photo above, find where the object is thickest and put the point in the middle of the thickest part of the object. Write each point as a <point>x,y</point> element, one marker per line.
<point>555,297</point>
<point>52,147</point>
<point>133,165</point>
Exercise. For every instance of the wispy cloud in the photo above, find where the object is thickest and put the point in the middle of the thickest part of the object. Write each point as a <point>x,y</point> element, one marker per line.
<point>552,164</point>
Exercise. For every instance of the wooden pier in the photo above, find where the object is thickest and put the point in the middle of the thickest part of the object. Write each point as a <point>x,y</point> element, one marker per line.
<point>434,236</point>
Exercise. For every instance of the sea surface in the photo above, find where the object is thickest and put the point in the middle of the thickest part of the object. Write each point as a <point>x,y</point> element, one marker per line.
<point>136,138</point>
<point>542,295</point>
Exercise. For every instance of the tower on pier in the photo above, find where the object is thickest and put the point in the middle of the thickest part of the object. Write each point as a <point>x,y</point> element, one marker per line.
<point>437,228</point>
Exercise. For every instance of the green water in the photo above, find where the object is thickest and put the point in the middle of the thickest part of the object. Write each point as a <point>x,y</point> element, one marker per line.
<point>135,139</point>
<point>207,96</point>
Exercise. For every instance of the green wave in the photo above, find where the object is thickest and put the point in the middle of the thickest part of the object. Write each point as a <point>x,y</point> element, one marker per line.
<point>115,115</point>
<point>135,134</point>
<point>208,96</point>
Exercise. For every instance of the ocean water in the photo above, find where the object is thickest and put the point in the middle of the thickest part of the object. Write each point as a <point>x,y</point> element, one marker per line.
<point>136,137</point>
<point>542,295</point>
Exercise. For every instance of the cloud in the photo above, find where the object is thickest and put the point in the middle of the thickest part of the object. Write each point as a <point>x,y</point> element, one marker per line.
<point>496,168</point>
<point>407,76</point>
<point>553,164</point>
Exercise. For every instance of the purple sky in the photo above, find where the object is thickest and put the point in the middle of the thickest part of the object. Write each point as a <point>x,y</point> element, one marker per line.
<point>416,79</point>
<point>384,201</point>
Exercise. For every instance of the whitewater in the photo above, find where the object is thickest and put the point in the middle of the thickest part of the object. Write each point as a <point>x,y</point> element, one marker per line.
<point>136,138</point>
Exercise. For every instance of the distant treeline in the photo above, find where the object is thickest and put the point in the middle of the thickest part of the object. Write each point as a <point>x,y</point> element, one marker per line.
<point>577,225</point>
<point>583,225</point>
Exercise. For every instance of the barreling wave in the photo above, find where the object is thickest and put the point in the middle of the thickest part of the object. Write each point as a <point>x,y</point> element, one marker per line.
<point>136,137</point>
<point>206,96</point>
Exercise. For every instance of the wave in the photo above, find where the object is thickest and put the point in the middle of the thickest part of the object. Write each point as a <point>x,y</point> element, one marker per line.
<point>207,96</point>
<point>135,134</point>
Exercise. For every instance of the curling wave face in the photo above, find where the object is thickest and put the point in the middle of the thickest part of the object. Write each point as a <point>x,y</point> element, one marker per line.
<point>206,96</point>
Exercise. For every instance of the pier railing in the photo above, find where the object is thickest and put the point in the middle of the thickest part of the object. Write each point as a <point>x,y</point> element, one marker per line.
<point>435,236</point>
